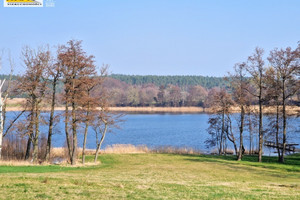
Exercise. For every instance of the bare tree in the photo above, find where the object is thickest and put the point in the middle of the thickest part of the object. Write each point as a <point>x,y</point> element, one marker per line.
<point>256,69</point>
<point>161,95</point>
<point>8,88</point>
<point>33,84</point>
<point>92,101</point>
<point>230,133</point>
<point>273,94</point>
<point>221,103</point>
<point>286,63</point>
<point>219,130</point>
<point>117,91</point>
<point>147,94</point>
<point>54,73</point>
<point>133,95</point>
<point>174,95</point>
<point>251,124</point>
<point>214,130</point>
<point>101,125</point>
<point>76,65</point>
<point>196,95</point>
<point>239,84</point>
<point>103,120</point>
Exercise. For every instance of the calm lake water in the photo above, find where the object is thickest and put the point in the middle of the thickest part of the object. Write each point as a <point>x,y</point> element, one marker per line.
<point>155,130</point>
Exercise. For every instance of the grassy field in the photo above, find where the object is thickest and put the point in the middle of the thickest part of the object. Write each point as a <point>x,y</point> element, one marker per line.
<point>156,176</point>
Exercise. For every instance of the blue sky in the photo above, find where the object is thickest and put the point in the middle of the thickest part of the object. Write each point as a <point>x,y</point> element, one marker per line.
<point>160,37</point>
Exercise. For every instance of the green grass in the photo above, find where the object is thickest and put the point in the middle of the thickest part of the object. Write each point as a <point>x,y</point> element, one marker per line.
<point>156,176</point>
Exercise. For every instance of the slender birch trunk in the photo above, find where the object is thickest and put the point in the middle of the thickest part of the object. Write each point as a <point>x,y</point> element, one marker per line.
<point>100,143</point>
<point>85,134</point>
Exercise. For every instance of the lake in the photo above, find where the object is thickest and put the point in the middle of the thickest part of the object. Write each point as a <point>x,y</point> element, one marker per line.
<point>155,130</point>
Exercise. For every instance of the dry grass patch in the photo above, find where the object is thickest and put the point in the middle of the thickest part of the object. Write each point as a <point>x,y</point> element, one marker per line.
<point>124,149</point>
<point>15,163</point>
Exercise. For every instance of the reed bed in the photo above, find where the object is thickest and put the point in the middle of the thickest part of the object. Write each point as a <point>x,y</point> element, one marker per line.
<point>15,104</point>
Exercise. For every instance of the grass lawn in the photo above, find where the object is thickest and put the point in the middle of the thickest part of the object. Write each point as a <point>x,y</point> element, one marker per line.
<point>156,176</point>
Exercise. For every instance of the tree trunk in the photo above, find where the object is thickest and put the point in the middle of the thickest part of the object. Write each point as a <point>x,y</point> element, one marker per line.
<point>30,129</point>
<point>84,141</point>
<point>235,147</point>
<point>85,132</point>
<point>260,128</point>
<point>284,122</point>
<point>100,143</point>
<point>74,131</point>
<point>67,131</point>
<point>1,118</point>
<point>251,135</point>
<point>49,140</point>
<point>240,155</point>
<point>277,130</point>
<point>27,154</point>
<point>260,134</point>
<point>231,137</point>
<point>222,133</point>
<point>36,137</point>
<point>2,115</point>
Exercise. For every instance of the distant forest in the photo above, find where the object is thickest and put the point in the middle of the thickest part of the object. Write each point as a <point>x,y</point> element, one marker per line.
<point>205,81</point>
<point>151,90</point>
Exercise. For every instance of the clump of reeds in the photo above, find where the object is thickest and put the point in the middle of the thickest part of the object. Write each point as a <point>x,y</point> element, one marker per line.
<point>125,148</point>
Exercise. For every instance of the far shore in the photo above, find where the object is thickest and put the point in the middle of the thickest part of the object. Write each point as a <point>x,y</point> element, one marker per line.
<point>15,105</point>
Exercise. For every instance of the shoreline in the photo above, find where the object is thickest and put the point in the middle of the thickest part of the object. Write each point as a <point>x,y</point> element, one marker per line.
<point>15,105</point>
<point>291,110</point>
